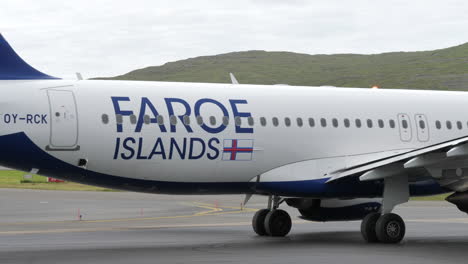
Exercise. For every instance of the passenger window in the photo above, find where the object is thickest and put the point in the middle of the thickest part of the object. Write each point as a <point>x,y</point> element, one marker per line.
<point>369,123</point>
<point>335,122</point>
<point>323,122</point>
<point>404,124</point>
<point>275,121</point>
<point>159,118</point>
<point>225,120</point>
<point>381,123</point>
<point>346,122</point>
<point>358,123</point>
<point>212,120</point>
<point>299,122</point>
<point>391,122</point>
<point>173,119</point>
<point>250,120</point>
<point>422,125</point>
<point>105,118</point>
<point>459,125</point>
<point>199,120</point>
<point>311,122</point>
<point>263,121</point>
<point>133,119</point>
<point>146,119</point>
<point>287,121</point>
<point>186,120</point>
<point>238,121</point>
<point>449,124</point>
<point>438,125</point>
<point>119,119</point>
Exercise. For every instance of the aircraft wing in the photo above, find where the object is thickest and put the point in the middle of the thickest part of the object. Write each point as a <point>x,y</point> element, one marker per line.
<point>437,159</point>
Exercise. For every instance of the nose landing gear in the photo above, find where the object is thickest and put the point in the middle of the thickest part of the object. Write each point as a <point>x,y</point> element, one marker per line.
<point>258,222</point>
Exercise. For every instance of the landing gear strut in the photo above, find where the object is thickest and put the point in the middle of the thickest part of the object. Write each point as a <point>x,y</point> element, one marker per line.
<point>272,221</point>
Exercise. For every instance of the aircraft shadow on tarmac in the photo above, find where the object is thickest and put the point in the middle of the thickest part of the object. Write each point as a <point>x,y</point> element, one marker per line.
<point>331,239</point>
<point>207,244</point>
<point>449,247</point>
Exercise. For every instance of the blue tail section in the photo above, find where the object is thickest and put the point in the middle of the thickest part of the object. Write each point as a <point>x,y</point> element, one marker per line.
<point>12,67</point>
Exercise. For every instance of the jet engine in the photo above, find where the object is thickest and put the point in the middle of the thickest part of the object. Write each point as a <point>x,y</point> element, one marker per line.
<point>460,199</point>
<point>325,210</point>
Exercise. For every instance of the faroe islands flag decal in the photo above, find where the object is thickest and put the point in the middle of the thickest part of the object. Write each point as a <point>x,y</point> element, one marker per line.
<point>238,149</point>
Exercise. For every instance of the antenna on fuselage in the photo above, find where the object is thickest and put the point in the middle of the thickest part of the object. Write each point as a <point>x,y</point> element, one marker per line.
<point>233,78</point>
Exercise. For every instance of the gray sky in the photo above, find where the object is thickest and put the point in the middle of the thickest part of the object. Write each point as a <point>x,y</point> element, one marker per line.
<point>112,37</point>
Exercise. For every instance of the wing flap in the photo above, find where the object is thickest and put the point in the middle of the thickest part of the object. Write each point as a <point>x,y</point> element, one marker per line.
<point>414,158</point>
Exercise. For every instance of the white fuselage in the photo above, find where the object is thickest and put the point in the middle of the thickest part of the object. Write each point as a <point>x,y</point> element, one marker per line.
<point>73,120</point>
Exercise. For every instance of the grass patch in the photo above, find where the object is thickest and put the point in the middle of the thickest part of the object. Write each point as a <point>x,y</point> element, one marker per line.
<point>15,179</point>
<point>440,197</point>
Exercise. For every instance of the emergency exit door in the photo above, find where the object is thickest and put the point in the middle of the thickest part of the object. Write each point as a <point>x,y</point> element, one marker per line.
<point>404,124</point>
<point>63,120</point>
<point>422,127</point>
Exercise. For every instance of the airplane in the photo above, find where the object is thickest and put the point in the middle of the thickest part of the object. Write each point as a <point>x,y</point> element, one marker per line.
<point>334,154</point>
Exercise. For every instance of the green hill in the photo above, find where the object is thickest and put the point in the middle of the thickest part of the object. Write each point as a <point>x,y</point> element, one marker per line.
<point>445,69</point>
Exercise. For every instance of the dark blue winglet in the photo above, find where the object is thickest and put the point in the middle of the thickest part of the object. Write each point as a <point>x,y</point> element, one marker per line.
<point>12,67</point>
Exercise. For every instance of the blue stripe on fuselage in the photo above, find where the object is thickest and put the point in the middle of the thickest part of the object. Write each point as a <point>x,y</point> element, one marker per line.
<point>19,152</point>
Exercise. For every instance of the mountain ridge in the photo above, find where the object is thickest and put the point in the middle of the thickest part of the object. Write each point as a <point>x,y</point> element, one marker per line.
<point>441,69</point>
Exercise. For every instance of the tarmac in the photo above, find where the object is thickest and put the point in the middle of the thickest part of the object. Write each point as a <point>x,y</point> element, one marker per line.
<point>122,227</point>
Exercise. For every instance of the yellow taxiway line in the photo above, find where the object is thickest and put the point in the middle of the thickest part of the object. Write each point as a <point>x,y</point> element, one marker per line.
<point>212,210</point>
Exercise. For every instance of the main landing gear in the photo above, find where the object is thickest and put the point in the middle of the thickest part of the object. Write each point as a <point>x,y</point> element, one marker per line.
<point>272,221</point>
<point>387,227</point>
<point>384,227</point>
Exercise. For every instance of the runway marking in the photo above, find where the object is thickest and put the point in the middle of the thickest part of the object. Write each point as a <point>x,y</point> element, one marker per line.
<point>71,230</point>
<point>212,210</point>
<point>102,229</point>
<point>441,220</point>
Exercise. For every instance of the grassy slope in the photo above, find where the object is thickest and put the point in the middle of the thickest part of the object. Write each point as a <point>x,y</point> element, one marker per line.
<point>13,179</point>
<point>445,69</point>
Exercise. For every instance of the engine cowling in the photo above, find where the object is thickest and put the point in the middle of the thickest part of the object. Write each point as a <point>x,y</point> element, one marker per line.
<point>325,210</point>
<point>460,200</point>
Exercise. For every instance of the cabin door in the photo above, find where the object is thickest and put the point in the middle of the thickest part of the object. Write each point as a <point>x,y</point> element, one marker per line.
<point>63,120</point>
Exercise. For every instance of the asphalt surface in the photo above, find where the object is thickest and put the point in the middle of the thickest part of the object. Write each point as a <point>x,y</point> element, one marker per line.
<point>120,227</point>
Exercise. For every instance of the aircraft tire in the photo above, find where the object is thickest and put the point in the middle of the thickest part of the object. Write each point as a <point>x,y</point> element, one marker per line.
<point>390,228</point>
<point>368,226</point>
<point>278,223</point>
<point>258,222</point>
